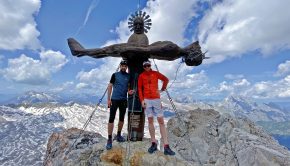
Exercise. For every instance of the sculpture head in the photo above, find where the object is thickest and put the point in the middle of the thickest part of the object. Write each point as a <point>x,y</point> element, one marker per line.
<point>138,26</point>
<point>140,22</point>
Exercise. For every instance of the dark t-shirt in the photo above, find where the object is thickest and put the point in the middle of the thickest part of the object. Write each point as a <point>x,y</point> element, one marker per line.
<point>120,82</point>
<point>112,80</point>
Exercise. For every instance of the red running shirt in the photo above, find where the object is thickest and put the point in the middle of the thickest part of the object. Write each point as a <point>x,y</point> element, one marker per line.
<point>148,84</point>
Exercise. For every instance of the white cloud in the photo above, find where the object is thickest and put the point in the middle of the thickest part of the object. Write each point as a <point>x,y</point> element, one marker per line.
<point>195,85</point>
<point>190,83</point>
<point>65,86</point>
<point>237,86</point>
<point>224,86</point>
<point>285,89</point>
<point>233,28</point>
<point>89,62</point>
<point>90,76</point>
<point>260,90</point>
<point>233,77</point>
<point>26,70</point>
<point>193,80</point>
<point>241,83</point>
<point>169,68</point>
<point>270,89</point>
<point>17,25</point>
<point>168,25</point>
<point>82,85</point>
<point>54,60</point>
<point>35,72</point>
<point>99,77</point>
<point>283,68</point>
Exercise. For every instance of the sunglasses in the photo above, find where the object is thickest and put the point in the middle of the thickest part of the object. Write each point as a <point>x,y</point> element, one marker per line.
<point>146,66</point>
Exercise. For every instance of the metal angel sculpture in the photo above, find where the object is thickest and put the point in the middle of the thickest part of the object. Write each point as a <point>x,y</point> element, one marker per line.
<point>136,51</point>
<point>138,46</point>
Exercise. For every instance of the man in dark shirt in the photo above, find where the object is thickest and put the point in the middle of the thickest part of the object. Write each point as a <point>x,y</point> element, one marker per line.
<point>119,83</point>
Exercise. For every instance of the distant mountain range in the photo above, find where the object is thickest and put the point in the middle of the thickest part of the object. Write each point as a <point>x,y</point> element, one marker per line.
<point>241,107</point>
<point>33,97</point>
<point>234,105</point>
<point>285,106</point>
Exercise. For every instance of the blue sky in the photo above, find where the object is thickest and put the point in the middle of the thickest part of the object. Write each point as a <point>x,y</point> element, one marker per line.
<point>248,42</point>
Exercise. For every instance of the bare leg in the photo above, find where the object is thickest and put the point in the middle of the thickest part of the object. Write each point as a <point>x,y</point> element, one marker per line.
<point>151,129</point>
<point>120,126</point>
<point>110,128</point>
<point>163,130</point>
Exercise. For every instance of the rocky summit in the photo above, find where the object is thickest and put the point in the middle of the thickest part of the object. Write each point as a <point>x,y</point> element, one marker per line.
<point>199,137</point>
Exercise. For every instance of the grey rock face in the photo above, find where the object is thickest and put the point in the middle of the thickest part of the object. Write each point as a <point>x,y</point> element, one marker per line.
<point>89,149</point>
<point>2,119</point>
<point>212,139</point>
<point>61,152</point>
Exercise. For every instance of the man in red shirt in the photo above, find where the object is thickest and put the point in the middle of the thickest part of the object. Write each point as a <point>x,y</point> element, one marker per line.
<point>149,96</point>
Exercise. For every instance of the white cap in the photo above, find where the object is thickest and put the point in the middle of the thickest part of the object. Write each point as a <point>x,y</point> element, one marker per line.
<point>146,63</point>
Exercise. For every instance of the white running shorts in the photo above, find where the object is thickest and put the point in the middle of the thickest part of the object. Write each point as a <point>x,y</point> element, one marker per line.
<point>153,108</point>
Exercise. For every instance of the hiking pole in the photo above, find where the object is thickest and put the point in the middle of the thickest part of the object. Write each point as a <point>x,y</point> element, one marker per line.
<point>84,127</point>
<point>90,117</point>
<point>88,121</point>
<point>130,122</point>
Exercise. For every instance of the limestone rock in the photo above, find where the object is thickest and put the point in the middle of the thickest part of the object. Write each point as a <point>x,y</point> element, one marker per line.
<point>2,119</point>
<point>223,140</point>
<point>89,149</point>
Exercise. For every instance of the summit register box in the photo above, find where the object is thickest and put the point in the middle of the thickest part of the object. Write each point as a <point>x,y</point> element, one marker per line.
<point>136,119</point>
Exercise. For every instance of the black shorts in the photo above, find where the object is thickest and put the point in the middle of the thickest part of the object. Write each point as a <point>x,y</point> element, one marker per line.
<point>122,105</point>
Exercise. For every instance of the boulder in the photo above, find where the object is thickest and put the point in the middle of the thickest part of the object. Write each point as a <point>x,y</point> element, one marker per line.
<point>214,139</point>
